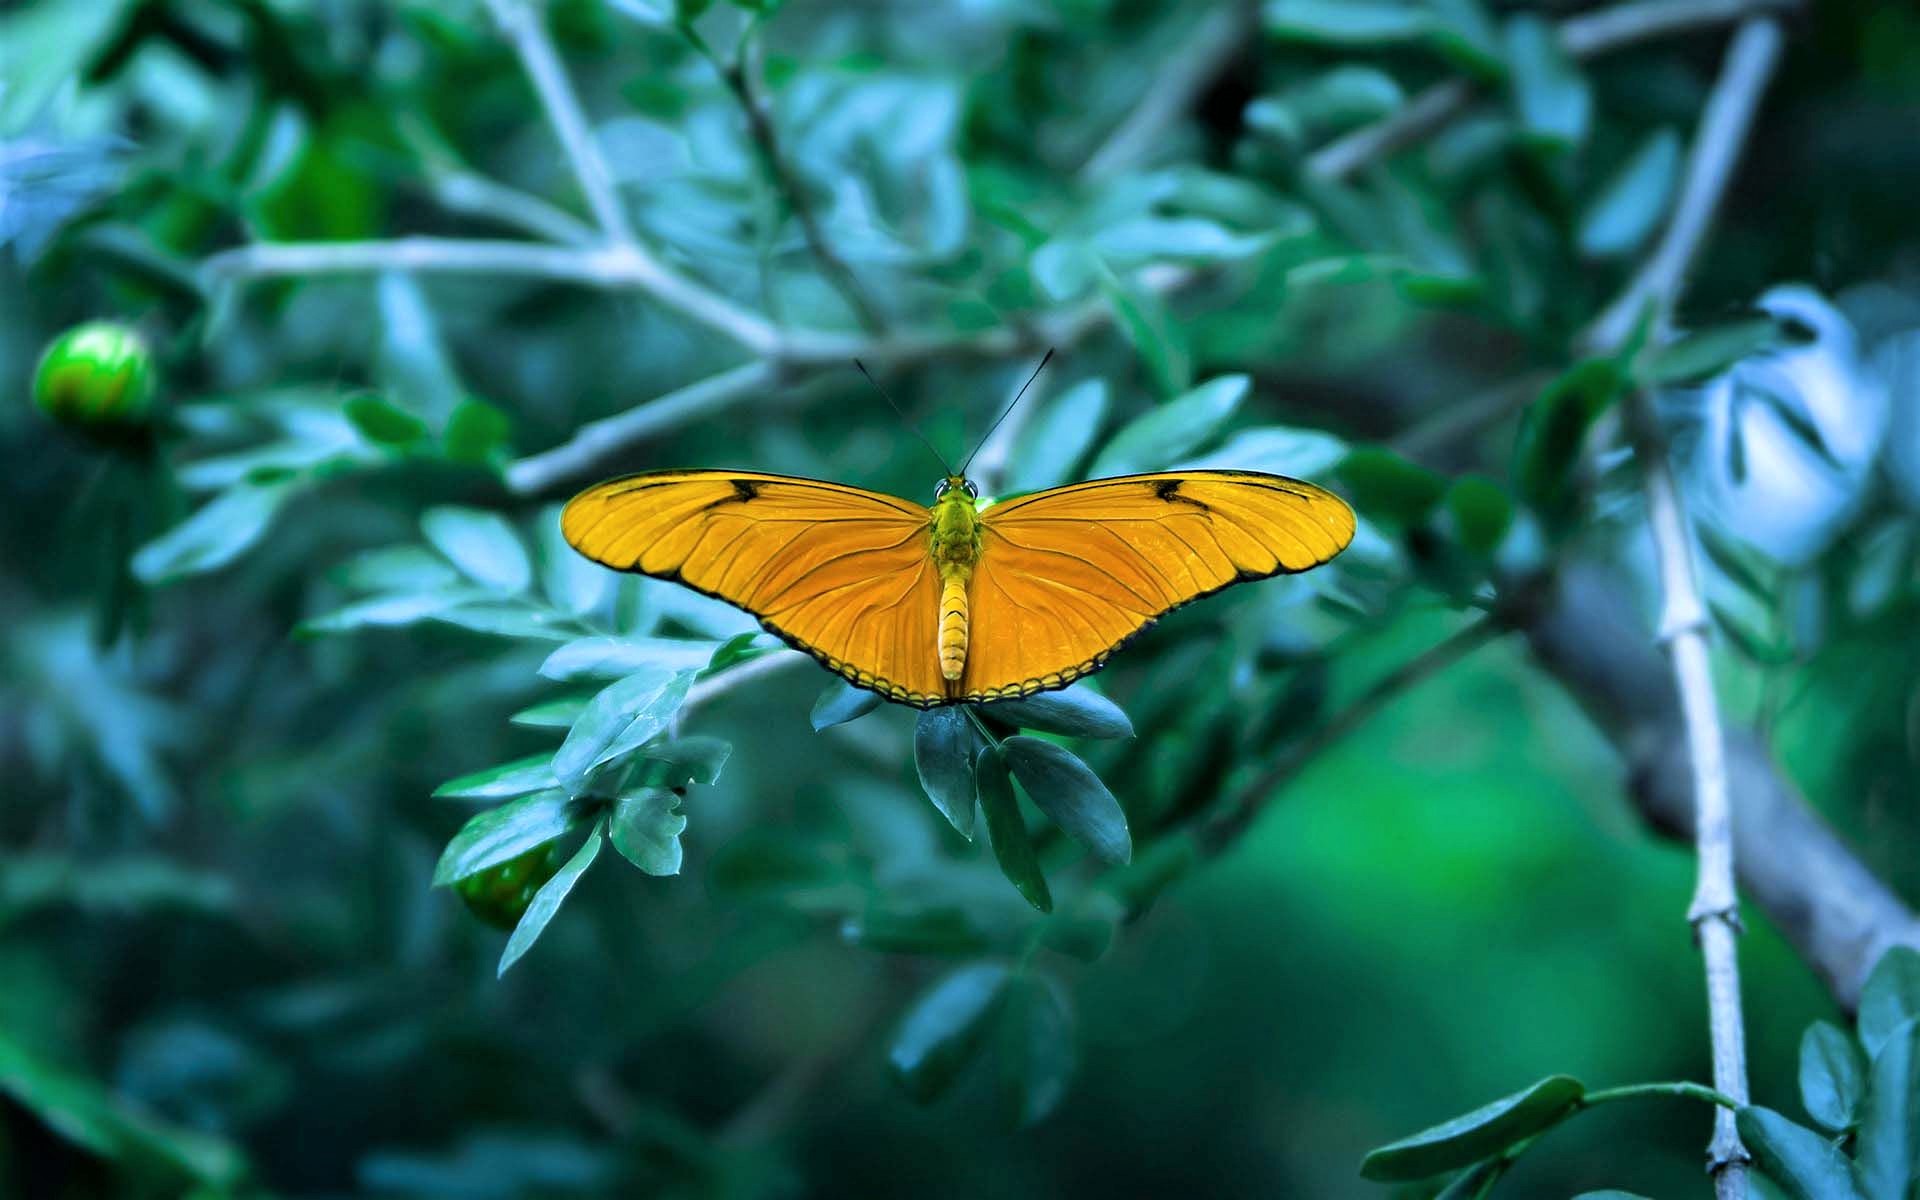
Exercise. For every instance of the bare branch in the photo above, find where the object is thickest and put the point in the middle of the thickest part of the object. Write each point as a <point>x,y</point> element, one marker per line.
<point>1585,36</point>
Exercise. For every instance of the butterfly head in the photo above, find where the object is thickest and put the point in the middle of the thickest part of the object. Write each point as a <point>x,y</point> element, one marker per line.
<point>947,486</point>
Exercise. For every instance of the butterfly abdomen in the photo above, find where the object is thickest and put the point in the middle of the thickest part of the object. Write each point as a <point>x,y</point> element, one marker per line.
<point>953,626</point>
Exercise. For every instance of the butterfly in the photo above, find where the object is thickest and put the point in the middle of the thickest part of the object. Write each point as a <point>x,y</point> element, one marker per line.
<point>958,603</point>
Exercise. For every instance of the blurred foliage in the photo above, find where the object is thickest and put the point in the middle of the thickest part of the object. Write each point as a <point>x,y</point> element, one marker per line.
<point>307,649</point>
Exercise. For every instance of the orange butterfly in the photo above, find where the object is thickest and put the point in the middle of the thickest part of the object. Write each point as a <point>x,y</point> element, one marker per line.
<point>957,603</point>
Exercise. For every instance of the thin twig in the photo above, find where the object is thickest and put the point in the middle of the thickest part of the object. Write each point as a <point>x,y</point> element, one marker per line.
<point>1651,297</point>
<point>477,196</point>
<point>521,22</point>
<point>1585,36</point>
<point>753,670</point>
<point>1234,816</point>
<point>1183,74</point>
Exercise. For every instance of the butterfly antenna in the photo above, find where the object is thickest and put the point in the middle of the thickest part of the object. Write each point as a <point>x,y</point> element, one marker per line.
<point>911,427</point>
<point>1008,410</point>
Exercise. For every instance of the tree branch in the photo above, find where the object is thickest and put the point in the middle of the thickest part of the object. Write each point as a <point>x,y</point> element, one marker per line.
<point>1588,35</point>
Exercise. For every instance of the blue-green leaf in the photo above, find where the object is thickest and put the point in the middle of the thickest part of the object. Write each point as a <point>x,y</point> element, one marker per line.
<point>646,829</point>
<point>547,901</point>
<point>574,583</point>
<point>382,421</point>
<point>1891,997</point>
<point>505,832</point>
<point>842,702</point>
<point>551,714</point>
<point>1276,449</point>
<point>216,534</point>
<point>1832,1076</point>
<point>619,719</point>
<point>1007,829</point>
<point>517,778</point>
<point>1805,1165</point>
<point>943,741</point>
<point>1887,1159</point>
<point>1057,437</point>
<point>1704,353</point>
<point>1068,791</point>
<point>1553,98</point>
<point>1150,329</point>
<point>615,657</point>
<point>1479,1134</point>
<point>1036,1048</point>
<point>1345,22</point>
<point>1631,204</point>
<point>1076,711</point>
<point>482,544</point>
<point>686,761</point>
<point>943,1028</point>
<point>1172,430</point>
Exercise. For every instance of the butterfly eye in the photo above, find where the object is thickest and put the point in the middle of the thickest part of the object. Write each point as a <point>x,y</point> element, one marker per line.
<point>940,491</point>
<point>972,490</point>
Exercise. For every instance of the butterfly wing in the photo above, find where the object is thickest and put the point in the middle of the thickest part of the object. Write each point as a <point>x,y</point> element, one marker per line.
<point>842,573</point>
<point>1068,575</point>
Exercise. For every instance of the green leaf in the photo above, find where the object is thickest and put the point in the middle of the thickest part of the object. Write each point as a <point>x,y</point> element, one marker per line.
<point>1832,1076</point>
<point>481,544</point>
<point>531,774</point>
<point>1064,268</point>
<point>943,741</point>
<point>1386,486</point>
<point>1329,103</point>
<point>1057,437</point>
<point>1463,32</point>
<point>551,714</point>
<point>602,657</point>
<point>739,648</point>
<point>1275,449</point>
<point>619,719</point>
<point>504,620</point>
<point>1140,240</point>
<point>574,584</point>
<point>1036,1048</point>
<point>1076,711</point>
<point>1476,1182</point>
<point>686,761</point>
<point>646,829</point>
<point>1805,1165</point>
<point>1890,998</point>
<point>1555,427</point>
<point>1552,96</point>
<point>1483,1132</point>
<point>476,432</point>
<point>1887,1159</point>
<point>219,532</point>
<point>1481,512</point>
<point>772,864</point>
<point>1150,329</point>
<point>915,929</point>
<point>505,832</point>
<point>1631,203</point>
<point>387,612</point>
<point>842,702</point>
<point>1358,23</point>
<point>943,1028</point>
<point>1007,830</point>
<point>547,901</point>
<point>1166,433</point>
<point>1068,791</point>
<point>1086,929</point>
<point>1705,353</point>
<point>382,421</point>
<point>1610,1194</point>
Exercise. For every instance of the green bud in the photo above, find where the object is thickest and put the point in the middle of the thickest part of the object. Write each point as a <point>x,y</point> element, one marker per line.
<point>96,378</point>
<point>500,894</point>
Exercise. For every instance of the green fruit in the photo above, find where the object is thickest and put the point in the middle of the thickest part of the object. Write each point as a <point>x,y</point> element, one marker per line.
<point>96,378</point>
<point>500,894</point>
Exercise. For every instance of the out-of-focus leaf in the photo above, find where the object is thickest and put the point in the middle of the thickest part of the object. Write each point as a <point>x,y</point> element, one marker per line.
<point>414,363</point>
<point>476,432</point>
<point>1553,98</point>
<point>943,741</point>
<point>1556,426</point>
<point>1275,449</point>
<point>1481,512</point>
<point>551,714</point>
<point>770,864</point>
<point>1833,1076</point>
<point>1705,353</point>
<point>947,929</point>
<point>620,718</point>
<point>1887,1160</point>
<point>1464,32</point>
<point>1385,486</point>
<point>1890,998</point>
<point>1076,711</point>
<point>1007,829</point>
<point>1057,437</point>
<point>1161,344</point>
<point>646,829</point>
<point>502,833</point>
<point>1036,1048</point>
<point>572,583</point>
<point>943,1029</point>
<point>1162,435</point>
<point>1346,22</point>
<point>1064,268</point>
<point>387,612</point>
<point>1329,103</point>
<point>531,774</point>
<point>547,901</point>
<point>214,536</point>
<point>1803,1164</point>
<point>1068,791</point>
<point>842,702</point>
<point>1142,240</point>
<point>481,544</point>
<point>381,420</point>
<point>504,620</point>
<point>1476,1135</point>
<point>1632,202</point>
<point>614,657</point>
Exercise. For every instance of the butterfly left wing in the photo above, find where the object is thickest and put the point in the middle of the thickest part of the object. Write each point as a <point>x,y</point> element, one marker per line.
<point>840,572</point>
<point>1068,575</point>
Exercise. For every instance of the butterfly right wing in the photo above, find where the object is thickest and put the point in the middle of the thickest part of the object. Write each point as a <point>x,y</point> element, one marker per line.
<point>840,572</point>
